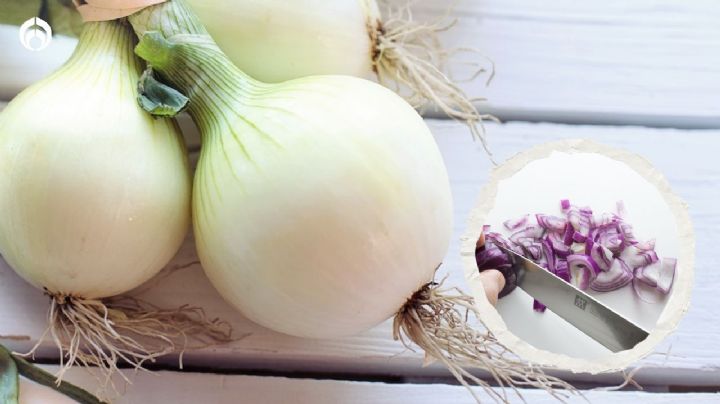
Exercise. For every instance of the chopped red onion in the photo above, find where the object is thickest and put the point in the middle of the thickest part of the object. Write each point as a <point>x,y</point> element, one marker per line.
<point>600,252</point>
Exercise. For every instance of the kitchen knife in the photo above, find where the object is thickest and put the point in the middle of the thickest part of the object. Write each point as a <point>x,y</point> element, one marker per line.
<point>583,311</point>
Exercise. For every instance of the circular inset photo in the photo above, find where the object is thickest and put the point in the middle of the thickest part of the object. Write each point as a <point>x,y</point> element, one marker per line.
<point>596,250</point>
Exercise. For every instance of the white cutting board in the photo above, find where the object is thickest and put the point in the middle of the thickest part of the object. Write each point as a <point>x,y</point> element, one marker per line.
<point>597,181</point>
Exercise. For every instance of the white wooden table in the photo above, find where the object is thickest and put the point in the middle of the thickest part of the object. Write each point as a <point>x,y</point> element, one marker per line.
<point>588,68</point>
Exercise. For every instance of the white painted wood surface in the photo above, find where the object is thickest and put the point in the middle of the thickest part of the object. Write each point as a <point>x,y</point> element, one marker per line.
<point>193,388</point>
<point>694,357</point>
<point>645,62</point>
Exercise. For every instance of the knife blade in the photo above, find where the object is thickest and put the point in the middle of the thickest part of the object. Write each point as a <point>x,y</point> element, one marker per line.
<point>583,311</point>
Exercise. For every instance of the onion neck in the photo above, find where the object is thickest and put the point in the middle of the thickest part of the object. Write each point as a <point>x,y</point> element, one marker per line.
<point>177,46</point>
<point>104,48</point>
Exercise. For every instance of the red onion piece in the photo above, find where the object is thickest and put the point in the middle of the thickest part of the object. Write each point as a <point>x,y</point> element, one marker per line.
<point>529,231</point>
<point>646,245</point>
<point>582,268</point>
<point>568,236</point>
<point>667,274</point>
<point>637,258</point>
<point>579,237</point>
<point>606,219</point>
<point>611,239</point>
<point>644,292</point>
<point>490,256</point>
<point>561,270</point>
<point>577,248</point>
<point>588,245</point>
<point>539,307</point>
<point>497,238</point>
<point>514,224</point>
<point>602,256</point>
<point>627,231</point>
<point>552,223</point>
<point>614,278</point>
<point>559,247</point>
<point>648,275</point>
<point>534,251</point>
<point>549,255</point>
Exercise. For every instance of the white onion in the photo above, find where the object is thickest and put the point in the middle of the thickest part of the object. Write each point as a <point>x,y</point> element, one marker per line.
<point>94,193</point>
<point>321,204</point>
<point>327,231</point>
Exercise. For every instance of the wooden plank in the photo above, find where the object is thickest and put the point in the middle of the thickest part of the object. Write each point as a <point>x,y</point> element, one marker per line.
<point>646,62</point>
<point>687,157</point>
<point>649,62</point>
<point>191,388</point>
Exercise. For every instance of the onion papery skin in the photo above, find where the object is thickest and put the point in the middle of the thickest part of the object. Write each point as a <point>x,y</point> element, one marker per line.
<point>321,205</point>
<point>94,192</point>
<point>279,40</point>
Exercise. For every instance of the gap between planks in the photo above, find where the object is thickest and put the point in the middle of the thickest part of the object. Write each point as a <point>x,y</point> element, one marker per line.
<point>191,388</point>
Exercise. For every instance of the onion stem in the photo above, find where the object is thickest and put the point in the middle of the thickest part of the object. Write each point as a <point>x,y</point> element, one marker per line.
<point>184,56</point>
<point>40,376</point>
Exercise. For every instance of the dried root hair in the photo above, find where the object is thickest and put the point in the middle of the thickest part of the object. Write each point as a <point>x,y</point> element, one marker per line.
<point>124,331</point>
<point>409,58</point>
<point>436,320</point>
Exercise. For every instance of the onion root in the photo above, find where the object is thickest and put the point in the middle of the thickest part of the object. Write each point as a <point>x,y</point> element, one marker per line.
<point>124,331</point>
<point>433,319</point>
<point>408,57</point>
